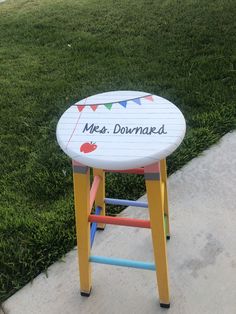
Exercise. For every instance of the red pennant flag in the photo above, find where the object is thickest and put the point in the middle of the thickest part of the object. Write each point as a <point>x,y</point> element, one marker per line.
<point>149,97</point>
<point>80,107</point>
<point>94,107</point>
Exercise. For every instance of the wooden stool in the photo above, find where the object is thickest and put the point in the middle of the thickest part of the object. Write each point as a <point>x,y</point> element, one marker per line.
<point>123,131</point>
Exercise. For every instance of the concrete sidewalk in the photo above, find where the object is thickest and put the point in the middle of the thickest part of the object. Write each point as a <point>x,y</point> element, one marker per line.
<point>202,253</point>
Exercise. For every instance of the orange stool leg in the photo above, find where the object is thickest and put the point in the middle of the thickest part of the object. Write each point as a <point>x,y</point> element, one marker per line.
<point>155,195</point>
<point>81,178</point>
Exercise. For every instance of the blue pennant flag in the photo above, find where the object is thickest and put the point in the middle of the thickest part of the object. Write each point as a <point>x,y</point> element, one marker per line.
<point>123,103</point>
<point>138,101</point>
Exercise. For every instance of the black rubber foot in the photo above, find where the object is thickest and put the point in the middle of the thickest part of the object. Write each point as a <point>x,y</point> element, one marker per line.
<point>101,229</point>
<point>165,306</point>
<point>85,294</point>
<point>168,237</point>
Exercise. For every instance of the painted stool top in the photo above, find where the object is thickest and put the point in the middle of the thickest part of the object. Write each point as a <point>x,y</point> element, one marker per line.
<point>120,130</point>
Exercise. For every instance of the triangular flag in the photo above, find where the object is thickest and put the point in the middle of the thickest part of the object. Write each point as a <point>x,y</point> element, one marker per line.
<point>108,106</point>
<point>94,107</point>
<point>138,101</point>
<point>149,97</point>
<point>123,103</point>
<point>80,107</point>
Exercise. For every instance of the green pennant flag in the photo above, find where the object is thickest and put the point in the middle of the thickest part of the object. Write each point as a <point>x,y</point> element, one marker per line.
<point>108,106</point>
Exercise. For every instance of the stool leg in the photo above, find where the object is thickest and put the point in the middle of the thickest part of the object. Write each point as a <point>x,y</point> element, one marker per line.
<point>99,200</point>
<point>166,205</point>
<point>156,211</point>
<point>81,177</point>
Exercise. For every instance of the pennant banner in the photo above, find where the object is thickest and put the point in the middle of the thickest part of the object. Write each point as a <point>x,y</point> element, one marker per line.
<point>108,106</point>
<point>94,107</point>
<point>80,107</point>
<point>149,97</point>
<point>137,101</point>
<point>123,103</point>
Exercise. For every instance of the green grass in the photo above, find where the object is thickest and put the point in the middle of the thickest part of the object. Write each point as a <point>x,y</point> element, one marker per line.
<point>52,52</point>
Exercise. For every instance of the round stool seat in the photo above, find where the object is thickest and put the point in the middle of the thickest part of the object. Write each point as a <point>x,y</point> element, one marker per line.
<point>120,130</point>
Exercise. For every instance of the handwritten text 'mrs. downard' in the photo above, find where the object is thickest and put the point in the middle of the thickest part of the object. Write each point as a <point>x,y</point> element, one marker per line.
<point>118,129</point>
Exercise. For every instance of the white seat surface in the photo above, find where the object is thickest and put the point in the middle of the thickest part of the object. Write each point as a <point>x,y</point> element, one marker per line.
<point>120,130</point>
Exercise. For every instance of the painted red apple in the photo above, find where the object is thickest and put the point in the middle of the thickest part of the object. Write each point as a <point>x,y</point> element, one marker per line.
<point>88,147</point>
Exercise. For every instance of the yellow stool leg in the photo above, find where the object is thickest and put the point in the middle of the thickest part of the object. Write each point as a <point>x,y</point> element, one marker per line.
<point>99,200</point>
<point>81,177</point>
<point>156,211</point>
<point>166,205</point>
